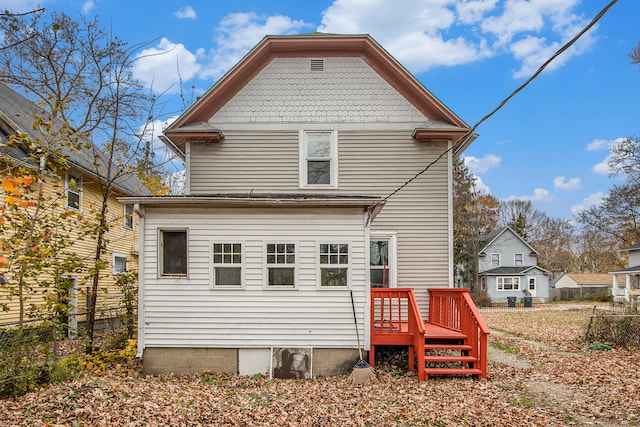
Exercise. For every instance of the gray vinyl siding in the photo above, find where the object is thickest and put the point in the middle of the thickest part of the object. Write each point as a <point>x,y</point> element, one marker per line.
<point>187,312</point>
<point>507,245</point>
<point>370,163</point>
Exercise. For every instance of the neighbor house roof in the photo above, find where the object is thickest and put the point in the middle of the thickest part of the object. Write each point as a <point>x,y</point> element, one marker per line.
<point>488,239</point>
<point>17,115</point>
<point>634,269</point>
<point>510,271</point>
<point>192,125</point>
<point>633,247</point>
<point>590,279</point>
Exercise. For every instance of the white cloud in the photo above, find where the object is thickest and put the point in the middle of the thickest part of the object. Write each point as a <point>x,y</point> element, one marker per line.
<point>480,186</point>
<point>603,144</point>
<point>472,11</point>
<point>567,184</point>
<point>239,32</point>
<point>591,200</point>
<point>483,164</point>
<point>164,65</point>
<point>602,168</point>
<point>539,195</point>
<point>151,131</point>
<point>186,12</point>
<point>87,6</point>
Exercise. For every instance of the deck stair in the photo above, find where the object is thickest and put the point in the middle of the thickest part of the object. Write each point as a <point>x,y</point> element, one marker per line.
<point>452,342</point>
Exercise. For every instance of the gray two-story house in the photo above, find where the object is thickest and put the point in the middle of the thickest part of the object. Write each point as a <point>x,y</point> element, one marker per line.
<point>508,267</point>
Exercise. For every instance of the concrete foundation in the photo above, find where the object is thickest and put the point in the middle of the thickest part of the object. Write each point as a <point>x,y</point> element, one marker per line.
<point>189,361</point>
<point>192,361</point>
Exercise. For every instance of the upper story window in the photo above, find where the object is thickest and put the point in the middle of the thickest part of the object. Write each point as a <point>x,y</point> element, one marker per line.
<point>173,252</point>
<point>495,260</point>
<point>127,218</point>
<point>73,191</point>
<point>517,260</point>
<point>281,265</point>
<point>318,159</point>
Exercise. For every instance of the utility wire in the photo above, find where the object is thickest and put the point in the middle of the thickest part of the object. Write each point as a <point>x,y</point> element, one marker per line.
<point>470,134</point>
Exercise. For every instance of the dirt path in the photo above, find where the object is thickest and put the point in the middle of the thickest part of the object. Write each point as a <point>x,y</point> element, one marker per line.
<point>559,395</point>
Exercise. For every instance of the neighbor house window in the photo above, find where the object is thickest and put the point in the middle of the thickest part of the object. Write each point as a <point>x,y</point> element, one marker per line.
<point>532,283</point>
<point>334,264</point>
<point>318,159</point>
<point>508,283</point>
<point>517,260</point>
<point>227,264</point>
<point>73,190</point>
<point>127,218</point>
<point>281,264</point>
<point>495,260</point>
<point>173,252</point>
<point>119,263</point>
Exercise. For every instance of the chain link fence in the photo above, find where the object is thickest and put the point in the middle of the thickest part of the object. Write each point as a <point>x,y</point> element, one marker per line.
<point>619,329</point>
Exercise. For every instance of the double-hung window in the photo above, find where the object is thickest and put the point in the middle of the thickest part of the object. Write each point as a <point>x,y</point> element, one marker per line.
<point>227,264</point>
<point>495,260</point>
<point>334,264</point>
<point>173,253</point>
<point>127,218</point>
<point>73,190</point>
<point>318,159</point>
<point>281,265</point>
<point>517,260</point>
<point>119,263</point>
<point>508,283</point>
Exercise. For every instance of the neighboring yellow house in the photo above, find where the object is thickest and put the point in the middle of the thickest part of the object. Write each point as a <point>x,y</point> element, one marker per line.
<point>77,192</point>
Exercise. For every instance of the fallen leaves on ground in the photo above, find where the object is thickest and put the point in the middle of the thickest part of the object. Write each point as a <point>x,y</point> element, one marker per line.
<point>577,388</point>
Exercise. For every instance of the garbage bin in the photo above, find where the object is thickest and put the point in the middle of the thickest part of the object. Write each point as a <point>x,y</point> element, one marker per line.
<point>528,301</point>
<point>511,301</point>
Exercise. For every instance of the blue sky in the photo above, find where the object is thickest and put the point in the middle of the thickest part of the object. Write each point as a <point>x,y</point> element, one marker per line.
<point>549,144</point>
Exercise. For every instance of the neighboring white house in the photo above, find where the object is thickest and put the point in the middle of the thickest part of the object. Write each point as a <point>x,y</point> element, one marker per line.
<point>632,277</point>
<point>294,159</point>
<point>508,267</point>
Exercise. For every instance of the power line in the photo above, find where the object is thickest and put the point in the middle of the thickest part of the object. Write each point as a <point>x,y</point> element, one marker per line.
<point>470,134</point>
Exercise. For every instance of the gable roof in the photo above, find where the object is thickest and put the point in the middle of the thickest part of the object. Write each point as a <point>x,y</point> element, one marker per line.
<point>17,115</point>
<point>193,124</point>
<point>510,271</point>
<point>491,237</point>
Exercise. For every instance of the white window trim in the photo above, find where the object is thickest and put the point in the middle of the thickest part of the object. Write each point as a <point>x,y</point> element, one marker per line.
<point>124,217</point>
<point>393,255</point>
<point>348,266</point>
<point>67,190</point>
<point>302,144</point>
<point>113,262</point>
<point>265,271</point>
<point>513,278</point>
<point>521,259</point>
<point>213,265</point>
<point>160,266</point>
<point>499,259</point>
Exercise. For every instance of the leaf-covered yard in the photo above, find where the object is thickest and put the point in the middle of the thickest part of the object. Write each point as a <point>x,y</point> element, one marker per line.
<point>559,382</point>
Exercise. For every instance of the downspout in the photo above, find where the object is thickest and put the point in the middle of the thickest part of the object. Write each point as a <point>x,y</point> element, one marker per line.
<point>140,211</point>
<point>450,216</point>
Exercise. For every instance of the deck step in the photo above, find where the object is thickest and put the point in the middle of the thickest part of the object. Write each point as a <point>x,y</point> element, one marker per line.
<point>461,347</point>
<point>452,371</point>
<point>440,359</point>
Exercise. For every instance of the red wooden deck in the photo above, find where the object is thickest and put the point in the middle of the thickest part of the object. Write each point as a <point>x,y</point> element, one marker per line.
<point>452,342</point>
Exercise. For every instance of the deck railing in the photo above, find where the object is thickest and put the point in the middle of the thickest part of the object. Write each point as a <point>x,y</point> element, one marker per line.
<point>453,308</point>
